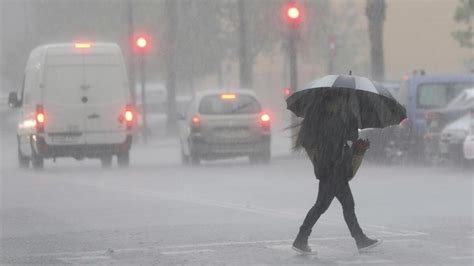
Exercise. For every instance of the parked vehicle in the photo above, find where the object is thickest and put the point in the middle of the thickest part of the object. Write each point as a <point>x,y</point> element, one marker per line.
<point>75,102</point>
<point>422,93</point>
<point>468,146</point>
<point>453,137</point>
<point>223,125</point>
<point>437,119</point>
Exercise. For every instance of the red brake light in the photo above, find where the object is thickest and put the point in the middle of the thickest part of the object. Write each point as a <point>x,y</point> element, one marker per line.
<point>229,96</point>
<point>196,120</point>
<point>40,118</point>
<point>82,45</point>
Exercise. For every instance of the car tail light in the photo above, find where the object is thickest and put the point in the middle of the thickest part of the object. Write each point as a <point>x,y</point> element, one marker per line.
<point>196,121</point>
<point>40,118</point>
<point>265,120</point>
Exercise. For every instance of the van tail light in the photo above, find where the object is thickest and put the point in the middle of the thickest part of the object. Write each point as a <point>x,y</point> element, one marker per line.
<point>195,123</point>
<point>129,116</point>
<point>264,120</point>
<point>40,118</point>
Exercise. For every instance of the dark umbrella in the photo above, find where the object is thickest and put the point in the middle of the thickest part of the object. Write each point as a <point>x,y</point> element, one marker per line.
<point>374,106</point>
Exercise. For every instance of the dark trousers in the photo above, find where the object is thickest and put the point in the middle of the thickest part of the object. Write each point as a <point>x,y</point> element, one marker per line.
<point>329,189</point>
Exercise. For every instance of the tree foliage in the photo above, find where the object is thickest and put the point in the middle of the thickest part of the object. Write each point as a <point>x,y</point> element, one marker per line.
<point>464,15</point>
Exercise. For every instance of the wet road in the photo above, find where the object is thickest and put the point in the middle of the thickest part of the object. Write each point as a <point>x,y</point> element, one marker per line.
<point>229,212</point>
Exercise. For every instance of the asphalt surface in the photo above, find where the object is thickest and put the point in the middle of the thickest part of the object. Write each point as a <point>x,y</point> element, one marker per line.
<point>158,212</point>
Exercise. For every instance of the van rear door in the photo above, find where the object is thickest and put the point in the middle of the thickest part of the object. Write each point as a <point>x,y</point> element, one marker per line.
<point>64,111</point>
<point>107,94</point>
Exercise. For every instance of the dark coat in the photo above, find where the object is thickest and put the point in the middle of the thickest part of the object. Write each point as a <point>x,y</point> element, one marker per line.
<point>324,136</point>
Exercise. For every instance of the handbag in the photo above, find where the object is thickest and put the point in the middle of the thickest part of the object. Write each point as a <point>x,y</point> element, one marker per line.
<point>359,149</point>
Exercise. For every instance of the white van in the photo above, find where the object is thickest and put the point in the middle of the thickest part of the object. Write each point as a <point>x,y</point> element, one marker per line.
<point>75,102</point>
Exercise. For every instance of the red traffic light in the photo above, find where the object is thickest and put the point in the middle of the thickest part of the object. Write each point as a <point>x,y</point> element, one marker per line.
<point>292,14</point>
<point>141,43</point>
<point>287,92</point>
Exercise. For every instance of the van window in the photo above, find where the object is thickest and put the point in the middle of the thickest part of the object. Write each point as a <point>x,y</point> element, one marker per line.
<point>434,95</point>
<point>242,104</point>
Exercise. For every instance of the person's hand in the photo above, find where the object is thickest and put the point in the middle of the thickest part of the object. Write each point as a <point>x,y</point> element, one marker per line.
<point>361,145</point>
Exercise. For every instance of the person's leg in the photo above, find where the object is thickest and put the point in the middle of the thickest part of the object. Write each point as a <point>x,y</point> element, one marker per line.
<point>344,195</point>
<point>326,194</point>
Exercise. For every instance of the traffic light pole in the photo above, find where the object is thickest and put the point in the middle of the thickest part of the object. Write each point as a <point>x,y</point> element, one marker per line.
<point>293,58</point>
<point>143,100</point>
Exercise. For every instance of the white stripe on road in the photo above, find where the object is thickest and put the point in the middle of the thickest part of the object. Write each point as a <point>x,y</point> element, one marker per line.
<point>364,262</point>
<point>183,252</point>
<point>83,258</point>
<point>463,258</point>
<point>379,229</point>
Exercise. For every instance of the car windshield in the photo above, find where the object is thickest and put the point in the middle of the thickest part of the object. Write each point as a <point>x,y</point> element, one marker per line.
<point>435,95</point>
<point>241,104</point>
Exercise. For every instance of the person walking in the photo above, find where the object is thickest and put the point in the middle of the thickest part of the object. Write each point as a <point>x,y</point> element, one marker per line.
<point>327,134</point>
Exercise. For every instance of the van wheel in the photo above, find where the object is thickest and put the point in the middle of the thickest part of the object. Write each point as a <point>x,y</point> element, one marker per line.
<point>37,161</point>
<point>106,161</point>
<point>123,159</point>
<point>23,161</point>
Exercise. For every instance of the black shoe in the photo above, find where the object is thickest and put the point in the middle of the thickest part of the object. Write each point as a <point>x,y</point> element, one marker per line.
<point>301,246</point>
<point>367,244</point>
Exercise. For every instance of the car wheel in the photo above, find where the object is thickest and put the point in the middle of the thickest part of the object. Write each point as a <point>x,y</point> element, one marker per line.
<point>195,160</point>
<point>106,161</point>
<point>260,158</point>
<point>184,158</point>
<point>37,161</point>
<point>123,159</point>
<point>23,161</point>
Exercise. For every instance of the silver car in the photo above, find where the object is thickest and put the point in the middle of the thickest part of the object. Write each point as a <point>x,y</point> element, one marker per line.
<point>221,124</point>
<point>453,137</point>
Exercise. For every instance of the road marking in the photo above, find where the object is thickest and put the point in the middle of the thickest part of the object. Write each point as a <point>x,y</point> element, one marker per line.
<point>463,258</point>
<point>400,240</point>
<point>252,209</point>
<point>82,258</point>
<point>183,252</point>
<point>364,262</point>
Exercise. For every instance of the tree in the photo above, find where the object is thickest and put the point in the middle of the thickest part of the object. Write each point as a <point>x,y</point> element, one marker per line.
<point>463,15</point>
<point>254,25</point>
<point>375,11</point>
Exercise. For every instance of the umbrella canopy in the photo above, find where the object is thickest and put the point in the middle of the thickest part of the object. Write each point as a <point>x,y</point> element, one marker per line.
<point>372,104</point>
